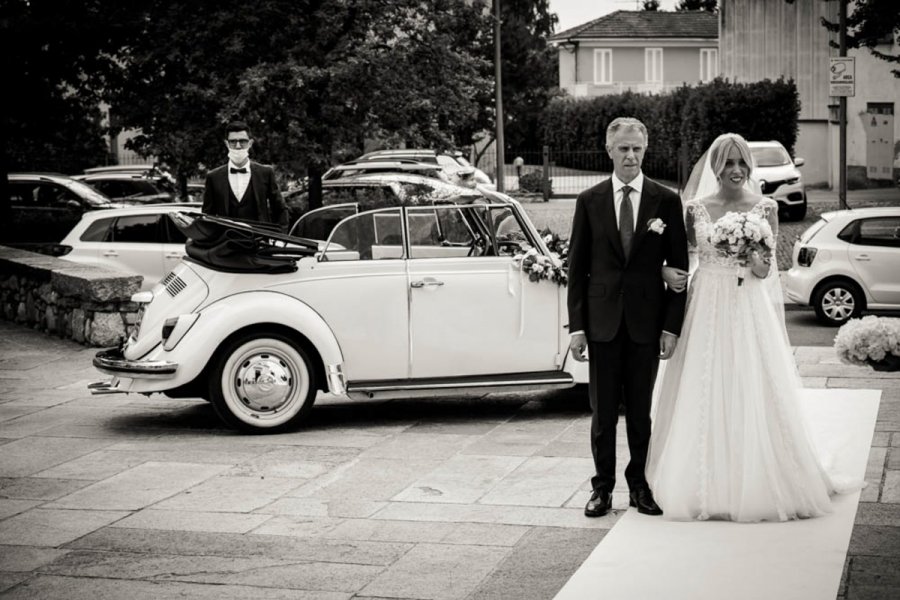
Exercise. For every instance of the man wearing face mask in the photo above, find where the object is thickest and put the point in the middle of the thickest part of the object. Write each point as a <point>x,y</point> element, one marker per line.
<point>243,189</point>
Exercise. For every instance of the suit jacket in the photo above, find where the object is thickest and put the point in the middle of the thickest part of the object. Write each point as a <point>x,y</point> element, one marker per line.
<point>605,286</point>
<point>269,203</point>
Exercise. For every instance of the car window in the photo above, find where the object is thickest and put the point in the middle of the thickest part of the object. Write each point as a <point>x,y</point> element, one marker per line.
<point>48,195</point>
<point>318,224</point>
<point>86,193</point>
<point>508,230</point>
<point>441,232</point>
<point>172,233</point>
<point>375,235</point>
<point>772,156</point>
<point>883,231</point>
<point>137,229</point>
<point>98,231</point>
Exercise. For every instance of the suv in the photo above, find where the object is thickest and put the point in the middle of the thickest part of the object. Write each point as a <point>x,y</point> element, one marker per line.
<point>403,165</point>
<point>138,239</point>
<point>129,187</point>
<point>847,262</point>
<point>778,177</point>
<point>454,164</point>
<point>45,206</point>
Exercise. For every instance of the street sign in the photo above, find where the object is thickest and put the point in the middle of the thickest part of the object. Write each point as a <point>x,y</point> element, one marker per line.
<point>842,76</point>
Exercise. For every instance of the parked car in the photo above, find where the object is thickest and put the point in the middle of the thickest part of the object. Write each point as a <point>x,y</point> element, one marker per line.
<point>370,190</point>
<point>847,262</point>
<point>139,240</point>
<point>45,206</point>
<point>408,299</point>
<point>453,163</point>
<point>779,178</point>
<point>129,187</point>
<point>360,167</point>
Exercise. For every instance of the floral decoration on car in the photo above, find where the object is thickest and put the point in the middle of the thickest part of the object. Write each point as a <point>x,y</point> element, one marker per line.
<point>554,267</point>
<point>656,225</point>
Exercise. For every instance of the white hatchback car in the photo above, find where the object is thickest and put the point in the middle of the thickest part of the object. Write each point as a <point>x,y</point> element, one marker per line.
<point>415,298</point>
<point>846,262</point>
<point>139,240</point>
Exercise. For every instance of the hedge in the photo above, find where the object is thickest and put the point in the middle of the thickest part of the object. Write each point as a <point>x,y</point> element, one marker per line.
<point>691,116</point>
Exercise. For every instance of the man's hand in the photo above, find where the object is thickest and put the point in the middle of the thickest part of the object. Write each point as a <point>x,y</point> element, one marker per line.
<point>578,344</point>
<point>675,278</point>
<point>667,343</point>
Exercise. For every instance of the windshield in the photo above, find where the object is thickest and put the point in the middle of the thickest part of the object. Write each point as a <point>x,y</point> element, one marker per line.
<point>771,156</point>
<point>86,192</point>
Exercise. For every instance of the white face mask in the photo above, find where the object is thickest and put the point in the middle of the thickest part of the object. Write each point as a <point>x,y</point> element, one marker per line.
<point>238,156</point>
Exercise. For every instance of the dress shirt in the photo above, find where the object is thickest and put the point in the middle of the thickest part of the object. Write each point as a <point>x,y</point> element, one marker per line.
<point>238,181</point>
<point>636,185</point>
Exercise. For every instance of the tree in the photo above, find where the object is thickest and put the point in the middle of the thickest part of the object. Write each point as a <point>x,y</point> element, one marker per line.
<point>53,121</point>
<point>707,5</point>
<point>650,5</point>
<point>871,23</point>
<point>529,69</point>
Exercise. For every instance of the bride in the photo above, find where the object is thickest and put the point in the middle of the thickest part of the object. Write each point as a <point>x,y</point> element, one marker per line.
<point>729,440</point>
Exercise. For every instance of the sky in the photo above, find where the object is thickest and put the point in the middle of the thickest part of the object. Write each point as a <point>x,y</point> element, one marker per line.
<point>577,12</point>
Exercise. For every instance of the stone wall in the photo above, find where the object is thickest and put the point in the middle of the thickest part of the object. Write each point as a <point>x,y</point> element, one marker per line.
<point>91,305</point>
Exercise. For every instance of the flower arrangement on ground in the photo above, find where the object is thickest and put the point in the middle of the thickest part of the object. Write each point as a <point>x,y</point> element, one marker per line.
<point>872,341</point>
<point>554,268</point>
<point>740,234</point>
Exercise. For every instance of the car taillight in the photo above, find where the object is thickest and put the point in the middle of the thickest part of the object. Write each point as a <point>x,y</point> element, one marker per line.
<point>60,250</point>
<point>806,256</point>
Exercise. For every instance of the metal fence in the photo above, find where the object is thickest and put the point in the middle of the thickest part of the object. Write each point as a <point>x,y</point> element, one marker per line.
<point>565,172</point>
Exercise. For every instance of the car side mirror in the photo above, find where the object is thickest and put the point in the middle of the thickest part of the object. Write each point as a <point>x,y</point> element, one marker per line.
<point>799,162</point>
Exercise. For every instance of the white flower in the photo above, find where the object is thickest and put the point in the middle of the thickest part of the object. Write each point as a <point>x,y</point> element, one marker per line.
<point>656,225</point>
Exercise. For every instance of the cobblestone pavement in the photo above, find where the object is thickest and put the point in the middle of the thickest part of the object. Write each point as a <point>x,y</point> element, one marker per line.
<point>445,498</point>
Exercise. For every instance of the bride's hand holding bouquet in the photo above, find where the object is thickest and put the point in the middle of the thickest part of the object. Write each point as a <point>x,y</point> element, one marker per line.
<point>743,236</point>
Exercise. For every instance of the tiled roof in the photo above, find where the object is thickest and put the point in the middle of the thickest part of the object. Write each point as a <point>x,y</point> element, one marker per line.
<point>646,24</point>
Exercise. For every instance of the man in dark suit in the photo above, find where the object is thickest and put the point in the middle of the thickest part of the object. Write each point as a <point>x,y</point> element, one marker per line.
<point>244,189</point>
<point>624,230</point>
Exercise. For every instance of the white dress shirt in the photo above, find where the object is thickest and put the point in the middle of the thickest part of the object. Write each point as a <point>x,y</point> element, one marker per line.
<point>238,181</point>
<point>636,185</point>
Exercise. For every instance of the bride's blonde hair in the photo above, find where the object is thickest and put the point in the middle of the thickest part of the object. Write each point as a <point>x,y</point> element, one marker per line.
<point>718,152</point>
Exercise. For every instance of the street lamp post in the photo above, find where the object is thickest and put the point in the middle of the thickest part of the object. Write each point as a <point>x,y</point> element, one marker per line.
<point>842,117</point>
<point>498,81</point>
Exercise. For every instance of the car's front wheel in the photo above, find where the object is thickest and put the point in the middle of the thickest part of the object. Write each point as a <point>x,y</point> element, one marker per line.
<point>262,382</point>
<point>837,302</point>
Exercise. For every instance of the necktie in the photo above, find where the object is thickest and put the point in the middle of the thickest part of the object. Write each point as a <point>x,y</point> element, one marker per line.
<point>626,220</point>
<point>233,170</point>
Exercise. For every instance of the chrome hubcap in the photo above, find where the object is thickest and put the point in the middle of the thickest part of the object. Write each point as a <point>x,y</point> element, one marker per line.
<point>264,382</point>
<point>838,304</point>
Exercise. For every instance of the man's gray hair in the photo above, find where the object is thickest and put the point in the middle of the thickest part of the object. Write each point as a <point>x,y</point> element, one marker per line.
<point>626,123</point>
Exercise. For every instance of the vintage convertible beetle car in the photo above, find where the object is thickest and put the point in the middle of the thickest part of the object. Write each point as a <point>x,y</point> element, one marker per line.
<point>415,298</point>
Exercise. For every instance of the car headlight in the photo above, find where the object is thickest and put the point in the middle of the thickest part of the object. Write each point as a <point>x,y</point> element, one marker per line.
<point>792,180</point>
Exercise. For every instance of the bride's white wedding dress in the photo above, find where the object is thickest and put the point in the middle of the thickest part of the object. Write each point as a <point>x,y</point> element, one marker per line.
<point>729,440</point>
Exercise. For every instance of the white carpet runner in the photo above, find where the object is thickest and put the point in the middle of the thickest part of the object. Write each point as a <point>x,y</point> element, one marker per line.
<point>645,558</point>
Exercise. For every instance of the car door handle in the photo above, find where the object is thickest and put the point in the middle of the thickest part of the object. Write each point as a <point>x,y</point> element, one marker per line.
<point>422,283</point>
<point>174,254</point>
<point>862,257</point>
<point>110,253</point>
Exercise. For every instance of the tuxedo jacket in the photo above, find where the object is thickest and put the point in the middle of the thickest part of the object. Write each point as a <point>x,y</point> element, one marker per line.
<point>262,188</point>
<point>605,286</point>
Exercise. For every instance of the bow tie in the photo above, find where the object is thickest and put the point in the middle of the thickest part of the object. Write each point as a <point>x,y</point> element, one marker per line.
<point>233,170</point>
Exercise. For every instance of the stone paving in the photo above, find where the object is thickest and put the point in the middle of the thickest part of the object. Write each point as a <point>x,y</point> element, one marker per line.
<point>447,498</point>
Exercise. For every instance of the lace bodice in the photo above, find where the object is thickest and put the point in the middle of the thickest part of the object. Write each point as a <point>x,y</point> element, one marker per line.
<point>700,227</point>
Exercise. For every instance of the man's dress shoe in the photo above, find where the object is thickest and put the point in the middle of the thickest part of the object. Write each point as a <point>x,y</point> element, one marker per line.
<point>642,498</point>
<point>599,504</point>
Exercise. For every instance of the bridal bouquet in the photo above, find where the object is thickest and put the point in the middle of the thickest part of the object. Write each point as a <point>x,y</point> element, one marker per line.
<point>872,341</point>
<point>740,234</point>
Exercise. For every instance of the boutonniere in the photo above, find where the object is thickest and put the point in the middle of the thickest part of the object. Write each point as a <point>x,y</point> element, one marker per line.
<point>656,226</point>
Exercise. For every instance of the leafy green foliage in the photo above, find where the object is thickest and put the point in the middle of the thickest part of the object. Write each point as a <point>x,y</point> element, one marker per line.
<point>532,182</point>
<point>690,116</point>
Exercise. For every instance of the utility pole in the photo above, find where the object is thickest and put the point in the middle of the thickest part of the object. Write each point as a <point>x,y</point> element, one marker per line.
<point>842,116</point>
<point>498,83</point>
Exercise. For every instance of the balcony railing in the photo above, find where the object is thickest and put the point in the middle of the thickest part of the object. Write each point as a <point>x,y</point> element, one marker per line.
<point>579,90</point>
